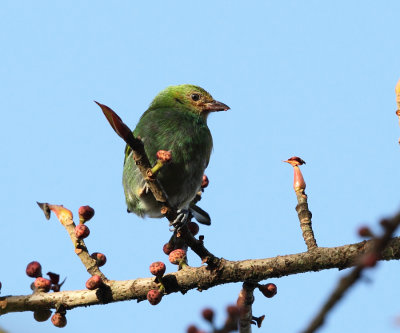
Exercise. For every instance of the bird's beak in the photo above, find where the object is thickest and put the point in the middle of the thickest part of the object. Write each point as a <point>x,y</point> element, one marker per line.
<point>215,106</point>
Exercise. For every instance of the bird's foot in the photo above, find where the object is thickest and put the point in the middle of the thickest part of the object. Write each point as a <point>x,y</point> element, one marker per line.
<point>181,219</point>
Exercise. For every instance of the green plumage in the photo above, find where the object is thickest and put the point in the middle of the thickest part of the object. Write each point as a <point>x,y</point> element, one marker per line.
<point>176,121</point>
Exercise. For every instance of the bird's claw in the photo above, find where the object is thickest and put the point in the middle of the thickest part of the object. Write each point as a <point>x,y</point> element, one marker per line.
<point>181,219</point>
<point>144,190</point>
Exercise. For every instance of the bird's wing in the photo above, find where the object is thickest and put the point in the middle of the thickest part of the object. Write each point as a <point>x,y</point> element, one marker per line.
<point>127,152</point>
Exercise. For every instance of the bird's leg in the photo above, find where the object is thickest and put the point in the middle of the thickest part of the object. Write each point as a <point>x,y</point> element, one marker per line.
<point>182,218</point>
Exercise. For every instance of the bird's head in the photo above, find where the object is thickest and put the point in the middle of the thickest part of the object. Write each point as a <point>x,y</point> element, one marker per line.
<point>189,97</point>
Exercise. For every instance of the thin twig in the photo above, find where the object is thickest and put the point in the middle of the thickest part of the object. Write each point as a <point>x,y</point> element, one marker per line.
<point>305,215</point>
<point>65,217</point>
<point>245,302</point>
<point>303,212</point>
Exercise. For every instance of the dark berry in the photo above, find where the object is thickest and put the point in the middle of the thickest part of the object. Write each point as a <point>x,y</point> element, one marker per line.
<point>34,269</point>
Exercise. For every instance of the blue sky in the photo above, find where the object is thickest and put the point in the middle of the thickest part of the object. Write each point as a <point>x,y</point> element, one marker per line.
<point>313,79</point>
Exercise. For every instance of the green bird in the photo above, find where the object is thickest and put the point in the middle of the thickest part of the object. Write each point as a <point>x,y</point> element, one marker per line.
<point>176,121</point>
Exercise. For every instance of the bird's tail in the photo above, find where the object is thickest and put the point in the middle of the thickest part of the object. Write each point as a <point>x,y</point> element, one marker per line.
<point>200,215</point>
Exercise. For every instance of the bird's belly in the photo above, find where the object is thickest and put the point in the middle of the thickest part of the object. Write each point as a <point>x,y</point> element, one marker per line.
<point>180,181</point>
<point>182,188</point>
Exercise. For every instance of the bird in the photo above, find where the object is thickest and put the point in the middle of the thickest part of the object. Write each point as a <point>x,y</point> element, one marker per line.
<point>175,121</point>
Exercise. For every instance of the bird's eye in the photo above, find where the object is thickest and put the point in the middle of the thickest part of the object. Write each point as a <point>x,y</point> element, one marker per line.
<point>195,97</point>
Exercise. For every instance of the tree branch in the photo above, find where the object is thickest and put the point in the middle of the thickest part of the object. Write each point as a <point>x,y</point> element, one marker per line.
<point>65,217</point>
<point>202,278</point>
<point>245,303</point>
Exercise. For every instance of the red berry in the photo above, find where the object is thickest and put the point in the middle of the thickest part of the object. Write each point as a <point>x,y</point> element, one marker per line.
<point>85,213</point>
<point>233,311</point>
<point>100,258</point>
<point>157,268</point>
<point>164,156</point>
<point>42,284</point>
<point>168,248</point>
<point>176,256</point>
<point>192,329</point>
<point>42,315</point>
<point>385,223</point>
<point>369,260</point>
<point>59,320</point>
<point>81,231</point>
<point>208,314</point>
<point>94,282</point>
<point>269,290</point>
<point>154,296</point>
<point>204,182</point>
<point>34,269</point>
<point>193,228</point>
<point>365,231</point>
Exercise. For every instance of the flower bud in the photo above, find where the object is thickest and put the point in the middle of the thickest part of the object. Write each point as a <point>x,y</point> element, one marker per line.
<point>193,228</point>
<point>81,231</point>
<point>42,284</point>
<point>208,314</point>
<point>177,256</point>
<point>269,290</point>
<point>59,320</point>
<point>168,248</point>
<point>204,182</point>
<point>192,329</point>
<point>157,268</point>
<point>154,296</point>
<point>164,156</point>
<point>233,311</point>
<point>100,258</point>
<point>369,259</point>
<point>85,213</point>
<point>365,231</point>
<point>94,282</point>
<point>298,181</point>
<point>42,314</point>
